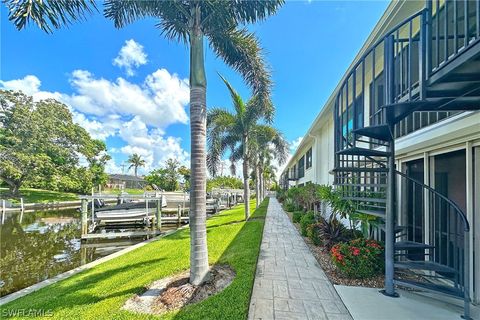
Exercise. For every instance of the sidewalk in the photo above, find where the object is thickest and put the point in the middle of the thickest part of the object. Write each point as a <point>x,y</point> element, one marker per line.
<point>289,283</point>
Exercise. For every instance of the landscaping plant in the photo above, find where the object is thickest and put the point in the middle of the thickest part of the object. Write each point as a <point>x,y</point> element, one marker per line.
<point>313,233</point>
<point>359,258</point>
<point>306,220</point>
<point>332,231</point>
<point>297,216</point>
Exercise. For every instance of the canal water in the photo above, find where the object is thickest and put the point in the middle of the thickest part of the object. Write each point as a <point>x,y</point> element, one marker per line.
<point>39,245</point>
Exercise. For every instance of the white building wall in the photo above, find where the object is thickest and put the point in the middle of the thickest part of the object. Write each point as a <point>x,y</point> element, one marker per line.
<point>324,161</point>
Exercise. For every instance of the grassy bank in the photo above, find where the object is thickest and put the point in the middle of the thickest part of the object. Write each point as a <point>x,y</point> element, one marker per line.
<point>99,293</point>
<point>38,195</point>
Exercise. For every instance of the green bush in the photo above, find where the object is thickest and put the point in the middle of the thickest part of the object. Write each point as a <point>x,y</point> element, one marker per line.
<point>289,206</point>
<point>296,216</point>
<point>313,233</point>
<point>306,220</point>
<point>359,258</point>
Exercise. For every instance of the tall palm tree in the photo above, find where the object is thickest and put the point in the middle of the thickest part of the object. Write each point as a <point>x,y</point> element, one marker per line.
<point>232,131</point>
<point>135,161</point>
<point>240,133</point>
<point>270,144</point>
<point>190,22</point>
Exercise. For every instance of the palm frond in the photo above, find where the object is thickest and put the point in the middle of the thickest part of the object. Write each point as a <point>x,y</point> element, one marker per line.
<point>238,103</point>
<point>220,118</point>
<point>173,15</point>
<point>248,11</point>
<point>241,50</point>
<point>266,136</point>
<point>48,14</point>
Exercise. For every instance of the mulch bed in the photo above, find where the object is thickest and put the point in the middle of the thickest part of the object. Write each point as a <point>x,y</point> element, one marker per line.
<point>335,277</point>
<point>175,292</point>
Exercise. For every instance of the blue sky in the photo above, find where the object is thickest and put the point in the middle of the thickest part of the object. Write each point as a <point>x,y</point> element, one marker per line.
<point>136,98</point>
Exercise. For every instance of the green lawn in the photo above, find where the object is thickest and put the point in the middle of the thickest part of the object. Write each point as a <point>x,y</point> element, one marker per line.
<point>99,293</point>
<point>39,195</point>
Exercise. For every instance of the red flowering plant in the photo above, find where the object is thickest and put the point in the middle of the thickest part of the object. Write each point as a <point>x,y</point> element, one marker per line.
<point>359,258</point>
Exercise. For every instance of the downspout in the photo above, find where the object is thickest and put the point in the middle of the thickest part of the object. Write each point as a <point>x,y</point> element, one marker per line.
<point>314,167</point>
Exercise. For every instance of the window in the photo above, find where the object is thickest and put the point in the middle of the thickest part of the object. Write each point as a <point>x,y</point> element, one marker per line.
<point>309,158</point>
<point>301,167</point>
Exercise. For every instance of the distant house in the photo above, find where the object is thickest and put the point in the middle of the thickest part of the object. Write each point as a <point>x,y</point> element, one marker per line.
<point>122,181</point>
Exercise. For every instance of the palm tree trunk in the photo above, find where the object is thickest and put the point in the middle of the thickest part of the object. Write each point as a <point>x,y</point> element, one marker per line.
<point>136,168</point>
<point>257,185</point>
<point>261,182</point>
<point>246,187</point>
<point>198,119</point>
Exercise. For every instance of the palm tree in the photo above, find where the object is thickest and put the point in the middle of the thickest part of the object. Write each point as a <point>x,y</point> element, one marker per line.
<point>187,21</point>
<point>135,161</point>
<point>231,131</point>
<point>270,144</point>
<point>240,133</point>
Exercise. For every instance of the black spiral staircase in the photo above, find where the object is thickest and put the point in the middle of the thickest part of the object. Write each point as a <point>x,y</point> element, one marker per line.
<point>427,65</point>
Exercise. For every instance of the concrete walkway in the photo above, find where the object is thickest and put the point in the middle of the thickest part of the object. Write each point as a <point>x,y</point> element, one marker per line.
<point>289,283</point>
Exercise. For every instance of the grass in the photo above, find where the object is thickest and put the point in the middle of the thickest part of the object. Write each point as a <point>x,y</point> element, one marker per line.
<point>100,292</point>
<point>38,195</point>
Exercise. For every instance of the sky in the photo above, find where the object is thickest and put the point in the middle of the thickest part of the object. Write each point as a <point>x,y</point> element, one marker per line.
<point>129,87</point>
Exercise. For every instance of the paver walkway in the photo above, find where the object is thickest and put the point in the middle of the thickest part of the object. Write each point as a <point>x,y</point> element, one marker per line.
<point>289,283</point>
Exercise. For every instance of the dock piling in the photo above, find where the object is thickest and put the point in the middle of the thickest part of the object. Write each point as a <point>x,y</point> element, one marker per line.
<point>158,214</point>
<point>84,208</point>
<point>3,211</point>
<point>179,215</point>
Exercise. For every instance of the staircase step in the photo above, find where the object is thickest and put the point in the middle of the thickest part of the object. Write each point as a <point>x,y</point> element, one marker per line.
<point>366,185</point>
<point>410,245</point>
<point>424,265</point>
<point>381,132</point>
<point>397,228</point>
<point>357,169</point>
<point>452,291</point>
<point>362,199</point>
<point>356,151</point>
<point>397,111</point>
<point>377,213</point>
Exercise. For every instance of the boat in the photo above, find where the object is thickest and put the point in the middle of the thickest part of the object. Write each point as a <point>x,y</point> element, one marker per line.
<point>129,212</point>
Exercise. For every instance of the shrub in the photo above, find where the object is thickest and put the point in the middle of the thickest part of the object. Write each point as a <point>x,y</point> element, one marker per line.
<point>290,207</point>
<point>332,231</point>
<point>359,258</point>
<point>297,216</point>
<point>313,232</point>
<point>306,220</point>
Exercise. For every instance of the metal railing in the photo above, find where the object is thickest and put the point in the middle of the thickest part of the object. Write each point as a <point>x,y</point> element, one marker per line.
<point>454,27</point>
<point>449,231</point>
<point>393,67</point>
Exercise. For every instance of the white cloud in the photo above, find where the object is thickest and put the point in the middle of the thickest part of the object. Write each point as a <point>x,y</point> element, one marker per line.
<point>29,84</point>
<point>130,57</point>
<point>294,144</point>
<point>160,101</point>
<point>151,144</point>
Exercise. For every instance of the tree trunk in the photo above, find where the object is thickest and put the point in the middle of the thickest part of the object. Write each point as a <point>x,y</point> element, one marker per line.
<point>257,186</point>
<point>136,169</point>
<point>246,187</point>
<point>199,270</point>
<point>262,184</point>
<point>13,186</point>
